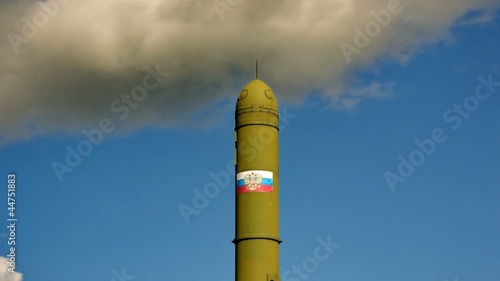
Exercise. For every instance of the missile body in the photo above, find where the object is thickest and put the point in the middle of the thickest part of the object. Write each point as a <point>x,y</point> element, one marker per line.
<point>257,184</point>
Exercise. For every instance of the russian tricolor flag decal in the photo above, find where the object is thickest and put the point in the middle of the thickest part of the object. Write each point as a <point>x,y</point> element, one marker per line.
<point>254,181</point>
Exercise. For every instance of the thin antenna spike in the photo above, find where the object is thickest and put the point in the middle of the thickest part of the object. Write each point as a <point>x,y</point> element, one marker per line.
<point>256,69</point>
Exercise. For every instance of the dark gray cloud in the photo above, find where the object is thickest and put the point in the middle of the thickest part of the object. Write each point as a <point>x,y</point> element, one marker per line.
<point>64,64</point>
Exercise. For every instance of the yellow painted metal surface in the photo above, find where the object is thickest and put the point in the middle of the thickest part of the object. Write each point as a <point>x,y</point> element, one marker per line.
<point>257,191</point>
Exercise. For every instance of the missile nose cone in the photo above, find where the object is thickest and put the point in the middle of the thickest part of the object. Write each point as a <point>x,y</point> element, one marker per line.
<point>257,94</point>
<point>256,104</point>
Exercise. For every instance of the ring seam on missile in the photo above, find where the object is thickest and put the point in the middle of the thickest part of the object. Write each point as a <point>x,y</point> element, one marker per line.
<point>246,110</point>
<point>262,124</point>
<point>272,238</point>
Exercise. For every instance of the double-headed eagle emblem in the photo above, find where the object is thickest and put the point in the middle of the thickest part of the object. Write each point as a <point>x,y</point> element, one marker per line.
<point>253,180</point>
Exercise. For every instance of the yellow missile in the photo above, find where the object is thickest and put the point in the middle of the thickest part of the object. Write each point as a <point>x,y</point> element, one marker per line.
<point>257,184</point>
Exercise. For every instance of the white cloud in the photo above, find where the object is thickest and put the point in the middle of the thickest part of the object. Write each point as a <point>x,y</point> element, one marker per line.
<point>477,18</point>
<point>5,274</point>
<point>85,54</point>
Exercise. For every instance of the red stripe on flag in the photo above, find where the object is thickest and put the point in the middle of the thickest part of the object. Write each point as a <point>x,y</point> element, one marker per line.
<point>262,188</point>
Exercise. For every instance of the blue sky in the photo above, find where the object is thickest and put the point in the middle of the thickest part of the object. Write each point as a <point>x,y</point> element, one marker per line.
<point>118,210</point>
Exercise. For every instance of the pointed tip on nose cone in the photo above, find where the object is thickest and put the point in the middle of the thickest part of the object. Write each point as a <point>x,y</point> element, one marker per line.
<point>257,94</point>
